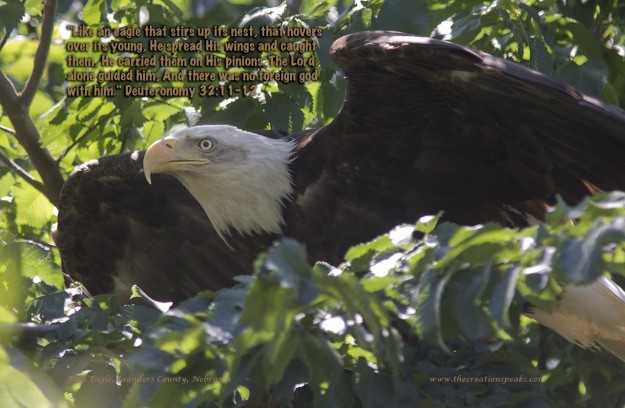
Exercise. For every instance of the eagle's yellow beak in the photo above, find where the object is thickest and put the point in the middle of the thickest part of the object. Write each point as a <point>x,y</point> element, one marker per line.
<point>157,156</point>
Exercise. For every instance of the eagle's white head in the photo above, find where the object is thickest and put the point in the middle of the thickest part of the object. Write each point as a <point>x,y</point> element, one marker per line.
<point>239,178</point>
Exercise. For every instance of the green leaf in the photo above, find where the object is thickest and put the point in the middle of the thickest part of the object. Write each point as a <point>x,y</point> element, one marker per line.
<point>267,311</point>
<point>289,261</point>
<point>22,385</point>
<point>284,113</point>
<point>409,16</point>
<point>427,223</point>
<point>94,12</point>
<point>340,393</point>
<point>373,389</point>
<point>50,306</point>
<point>151,358</point>
<point>361,255</point>
<point>38,262</point>
<point>322,360</point>
<point>34,209</point>
<point>609,94</point>
<point>430,293</point>
<point>540,58</point>
<point>466,293</point>
<point>465,23</point>
<point>537,275</point>
<point>11,12</point>
<point>349,291</point>
<point>590,77</point>
<point>589,43</point>
<point>237,113</point>
<point>279,356</point>
<point>7,315</point>
<point>581,260</point>
<point>502,294</point>
<point>33,7</point>
<point>11,291</point>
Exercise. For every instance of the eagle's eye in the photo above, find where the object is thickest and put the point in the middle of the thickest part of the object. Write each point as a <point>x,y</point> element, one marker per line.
<point>206,144</point>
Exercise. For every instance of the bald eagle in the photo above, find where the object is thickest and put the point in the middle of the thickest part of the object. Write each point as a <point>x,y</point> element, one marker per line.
<point>426,126</point>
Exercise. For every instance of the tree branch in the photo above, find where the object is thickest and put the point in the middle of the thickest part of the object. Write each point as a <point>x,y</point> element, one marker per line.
<point>16,107</point>
<point>5,38</point>
<point>17,169</point>
<point>41,55</point>
<point>27,135</point>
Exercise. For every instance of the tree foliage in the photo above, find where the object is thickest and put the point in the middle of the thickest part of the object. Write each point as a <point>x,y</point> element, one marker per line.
<point>427,315</point>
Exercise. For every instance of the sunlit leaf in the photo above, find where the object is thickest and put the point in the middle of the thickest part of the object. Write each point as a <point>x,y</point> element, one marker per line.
<point>34,209</point>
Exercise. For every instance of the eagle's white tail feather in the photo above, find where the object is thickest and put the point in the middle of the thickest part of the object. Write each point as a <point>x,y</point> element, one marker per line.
<point>591,316</point>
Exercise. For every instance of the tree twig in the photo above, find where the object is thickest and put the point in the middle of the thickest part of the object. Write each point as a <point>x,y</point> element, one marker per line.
<point>7,130</point>
<point>41,55</point>
<point>34,241</point>
<point>17,169</point>
<point>124,141</point>
<point>5,38</point>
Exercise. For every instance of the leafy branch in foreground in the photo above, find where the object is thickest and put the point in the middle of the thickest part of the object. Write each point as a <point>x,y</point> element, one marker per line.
<point>427,314</point>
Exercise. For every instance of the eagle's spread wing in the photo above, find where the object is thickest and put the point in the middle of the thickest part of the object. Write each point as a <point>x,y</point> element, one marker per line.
<point>464,130</point>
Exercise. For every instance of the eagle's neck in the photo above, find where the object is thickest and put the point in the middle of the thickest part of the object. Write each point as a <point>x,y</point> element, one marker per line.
<point>247,197</point>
